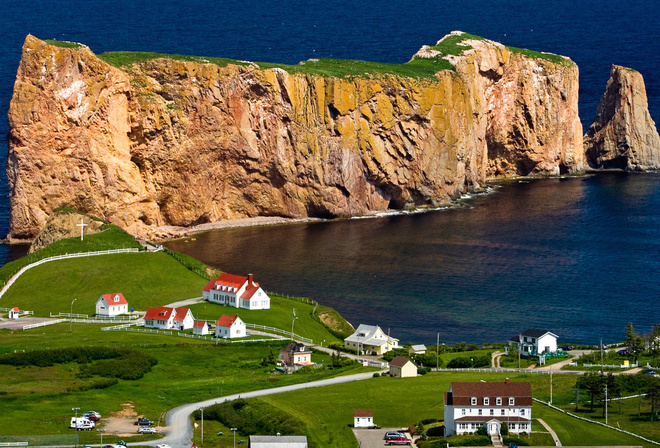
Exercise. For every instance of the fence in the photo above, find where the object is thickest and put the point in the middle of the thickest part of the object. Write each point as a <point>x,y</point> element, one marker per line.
<point>123,326</point>
<point>279,331</point>
<point>503,370</point>
<point>70,316</point>
<point>44,323</point>
<point>596,423</point>
<point>609,366</point>
<point>40,440</point>
<point>184,261</point>
<point>62,257</point>
<point>139,330</point>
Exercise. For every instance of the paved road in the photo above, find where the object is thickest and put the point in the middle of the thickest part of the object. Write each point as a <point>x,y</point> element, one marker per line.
<point>552,433</point>
<point>180,430</point>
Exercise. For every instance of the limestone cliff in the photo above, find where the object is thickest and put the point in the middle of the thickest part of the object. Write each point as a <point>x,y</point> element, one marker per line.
<point>623,135</point>
<point>166,141</point>
<point>64,225</point>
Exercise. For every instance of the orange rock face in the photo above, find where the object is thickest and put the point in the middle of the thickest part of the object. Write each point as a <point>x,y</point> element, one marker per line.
<point>168,142</point>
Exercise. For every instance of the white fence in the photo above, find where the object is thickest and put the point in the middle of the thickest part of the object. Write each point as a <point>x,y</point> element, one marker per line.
<point>63,257</point>
<point>279,331</point>
<point>20,313</point>
<point>44,323</point>
<point>139,330</point>
<point>69,315</point>
<point>596,422</point>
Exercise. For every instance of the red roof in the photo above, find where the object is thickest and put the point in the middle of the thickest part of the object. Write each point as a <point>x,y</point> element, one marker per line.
<point>237,280</point>
<point>226,321</point>
<point>110,298</point>
<point>181,314</point>
<point>160,313</point>
<point>199,324</point>
<point>249,291</point>
<point>209,286</point>
<point>15,308</point>
<point>363,413</point>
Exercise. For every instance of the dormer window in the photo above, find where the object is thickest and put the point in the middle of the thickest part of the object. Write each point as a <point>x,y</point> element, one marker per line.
<point>498,401</point>
<point>486,401</point>
<point>512,401</point>
<point>473,401</point>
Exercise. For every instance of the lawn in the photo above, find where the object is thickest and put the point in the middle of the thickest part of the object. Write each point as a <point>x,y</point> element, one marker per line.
<point>145,279</point>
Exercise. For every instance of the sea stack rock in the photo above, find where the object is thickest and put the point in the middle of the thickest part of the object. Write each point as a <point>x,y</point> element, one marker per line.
<point>623,135</point>
<point>152,142</point>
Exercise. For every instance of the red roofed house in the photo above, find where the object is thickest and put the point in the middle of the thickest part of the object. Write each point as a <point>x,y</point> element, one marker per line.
<point>469,406</point>
<point>110,305</point>
<point>201,327</point>
<point>363,419</point>
<point>14,313</point>
<point>230,327</point>
<point>236,291</point>
<point>183,319</point>
<point>161,318</point>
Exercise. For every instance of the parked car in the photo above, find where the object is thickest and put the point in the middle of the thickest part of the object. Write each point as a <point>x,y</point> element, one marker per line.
<point>142,421</point>
<point>622,352</point>
<point>393,435</point>
<point>567,348</point>
<point>81,424</point>
<point>147,430</point>
<point>163,445</point>
<point>92,416</point>
<point>651,372</point>
<point>399,441</point>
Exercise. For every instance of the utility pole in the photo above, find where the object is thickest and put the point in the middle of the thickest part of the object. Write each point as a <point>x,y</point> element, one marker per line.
<point>293,319</point>
<point>606,401</point>
<point>519,348</point>
<point>71,316</point>
<point>601,354</point>
<point>76,417</point>
<point>234,431</point>
<point>550,384</point>
<point>202,409</point>
<point>437,353</point>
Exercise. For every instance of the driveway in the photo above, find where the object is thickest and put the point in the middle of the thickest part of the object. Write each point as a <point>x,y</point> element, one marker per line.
<point>373,438</point>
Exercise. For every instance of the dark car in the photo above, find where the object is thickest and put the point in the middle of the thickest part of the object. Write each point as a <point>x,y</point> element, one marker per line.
<point>622,352</point>
<point>143,421</point>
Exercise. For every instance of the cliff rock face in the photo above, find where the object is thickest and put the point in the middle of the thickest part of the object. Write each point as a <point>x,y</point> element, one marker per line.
<point>623,135</point>
<point>64,225</point>
<point>171,142</point>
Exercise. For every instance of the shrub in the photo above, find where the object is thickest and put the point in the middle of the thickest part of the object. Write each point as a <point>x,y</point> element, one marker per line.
<point>516,440</point>
<point>63,355</point>
<point>376,375</point>
<point>436,431</point>
<point>464,362</point>
<point>428,421</point>
<point>132,366</point>
<point>423,370</point>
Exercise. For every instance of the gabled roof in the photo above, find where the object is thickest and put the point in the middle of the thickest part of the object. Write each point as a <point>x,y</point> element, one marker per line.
<point>363,413</point>
<point>15,308</point>
<point>115,299</point>
<point>227,321</point>
<point>250,290</point>
<point>461,393</point>
<point>181,314</point>
<point>400,361</point>
<point>531,333</point>
<point>418,348</point>
<point>365,334</point>
<point>295,347</point>
<point>160,313</point>
<point>199,324</point>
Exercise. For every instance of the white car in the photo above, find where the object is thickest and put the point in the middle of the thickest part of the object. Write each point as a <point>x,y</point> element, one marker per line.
<point>163,445</point>
<point>147,430</point>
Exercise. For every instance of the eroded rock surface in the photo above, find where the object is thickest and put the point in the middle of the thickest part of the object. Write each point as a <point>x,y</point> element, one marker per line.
<point>168,142</point>
<point>623,135</point>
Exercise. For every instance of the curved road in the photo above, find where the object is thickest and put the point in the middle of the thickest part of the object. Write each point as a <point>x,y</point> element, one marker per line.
<point>180,430</point>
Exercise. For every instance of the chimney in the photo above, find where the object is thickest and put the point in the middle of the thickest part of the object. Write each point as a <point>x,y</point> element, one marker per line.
<point>507,381</point>
<point>250,280</point>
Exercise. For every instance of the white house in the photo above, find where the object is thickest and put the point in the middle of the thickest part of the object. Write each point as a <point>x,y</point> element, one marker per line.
<point>236,291</point>
<point>200,327</point>
<point>230,327</point>
<point>533,342</point>
<point>161,318</point>
<point>14,313</point>
<point>363,419</point>
<point>110,305</point>
<point>469,406</point>
<point>183,319</point>
<point>370,338</point>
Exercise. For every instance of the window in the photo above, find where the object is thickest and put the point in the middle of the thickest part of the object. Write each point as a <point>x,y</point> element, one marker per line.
<point>498,401</point>
<point>486,401</point>
<point>473,401</point>
<point>512,401</point>
<point>502,412</point>
<point>463,411</point>
<point>492,412</point>
<point>480,412</point>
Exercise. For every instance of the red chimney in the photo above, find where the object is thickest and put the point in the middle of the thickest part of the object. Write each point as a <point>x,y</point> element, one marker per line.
<point>507,381</point>
<point>250,280</point>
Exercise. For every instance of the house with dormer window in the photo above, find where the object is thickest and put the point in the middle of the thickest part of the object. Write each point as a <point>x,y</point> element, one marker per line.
<point>370,339</point>
<point>469,406</point>
<point>236,291</point>
<point>230,327</point>
<point>110,305</point>
<point>533,342</point>
<point>161,318</point>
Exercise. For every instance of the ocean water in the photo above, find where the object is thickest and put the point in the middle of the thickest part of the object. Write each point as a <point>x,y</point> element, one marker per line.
<point>593,33</point>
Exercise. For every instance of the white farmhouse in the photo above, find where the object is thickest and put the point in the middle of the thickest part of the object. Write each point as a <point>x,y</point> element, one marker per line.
<point>183,319</point>
<point>363,419</point>
<point>236,291</point>
<point>533,342</point>
<point>161,318</point>
<point>469,406</point>
<point>370,338</point>
<point>230,327</point>
<point>110,305</point>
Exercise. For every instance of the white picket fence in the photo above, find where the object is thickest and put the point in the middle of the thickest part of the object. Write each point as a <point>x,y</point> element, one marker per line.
<point>44,323</point>
<point>63,257</point>
<point>279,331</point>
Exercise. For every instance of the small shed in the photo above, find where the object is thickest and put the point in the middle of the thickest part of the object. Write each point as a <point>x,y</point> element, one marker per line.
<point>14,313</point>
<point>363,419</point>
<point>278,442</point>
<point>417,349</point>
<point>401,367</point>
<point>201,327</point>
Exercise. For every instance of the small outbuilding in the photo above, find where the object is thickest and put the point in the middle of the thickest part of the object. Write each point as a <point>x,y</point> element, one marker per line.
<point>401,367</point>
<point>201,327</point>
<point>417,350</point>
<point>278,442</point>
<point>14,313</point>
<point>363,419</point>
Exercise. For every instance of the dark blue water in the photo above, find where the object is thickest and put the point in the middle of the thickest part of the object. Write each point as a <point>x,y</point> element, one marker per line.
<point>593,33</point>
<point>577,256</point>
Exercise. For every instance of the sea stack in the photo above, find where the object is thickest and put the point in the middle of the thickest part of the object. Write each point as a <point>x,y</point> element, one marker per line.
<point>623,135</point>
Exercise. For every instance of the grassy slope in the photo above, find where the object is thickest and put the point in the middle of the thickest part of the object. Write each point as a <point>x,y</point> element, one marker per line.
<point>416,68</point>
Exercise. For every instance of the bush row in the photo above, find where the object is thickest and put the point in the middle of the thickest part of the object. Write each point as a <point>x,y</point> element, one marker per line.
<point>464,362</point>
<point>49,357</point>
<point>132,366</point>
<point>441,442</point>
